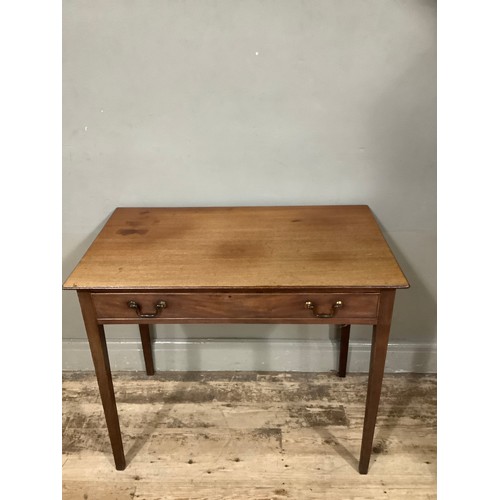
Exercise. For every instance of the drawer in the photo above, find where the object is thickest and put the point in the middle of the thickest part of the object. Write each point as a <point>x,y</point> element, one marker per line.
<point>232,307</point>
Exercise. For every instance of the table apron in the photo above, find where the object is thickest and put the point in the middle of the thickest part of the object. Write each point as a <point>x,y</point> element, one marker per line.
<point>291,308</point>
<point>281,321</point>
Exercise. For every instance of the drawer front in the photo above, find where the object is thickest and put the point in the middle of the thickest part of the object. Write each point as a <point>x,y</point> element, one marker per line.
<point>227,307</point>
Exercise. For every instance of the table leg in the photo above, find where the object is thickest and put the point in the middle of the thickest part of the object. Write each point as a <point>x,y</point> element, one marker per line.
<point>99,350</point>
<point>345,331</point>
<point>380,340</point>
<point>146,348</point>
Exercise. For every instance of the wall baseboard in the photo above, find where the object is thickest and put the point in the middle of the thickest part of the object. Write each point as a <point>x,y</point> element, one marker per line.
<point>250,355</point>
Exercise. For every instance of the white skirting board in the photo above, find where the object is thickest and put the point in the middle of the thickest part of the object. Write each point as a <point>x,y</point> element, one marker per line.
<point>250,355</point>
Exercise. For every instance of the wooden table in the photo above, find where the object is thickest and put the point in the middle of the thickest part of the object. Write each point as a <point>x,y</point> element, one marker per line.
<point>309,264</point>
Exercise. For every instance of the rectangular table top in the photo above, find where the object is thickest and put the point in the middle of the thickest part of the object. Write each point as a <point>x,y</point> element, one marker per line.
<point>239,247</point>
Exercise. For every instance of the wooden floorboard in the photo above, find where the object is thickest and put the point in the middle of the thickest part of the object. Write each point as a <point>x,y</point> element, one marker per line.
<point>248,435</point>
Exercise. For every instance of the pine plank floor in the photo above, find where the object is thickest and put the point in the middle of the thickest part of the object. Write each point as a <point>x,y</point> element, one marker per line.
<point>249,435</point>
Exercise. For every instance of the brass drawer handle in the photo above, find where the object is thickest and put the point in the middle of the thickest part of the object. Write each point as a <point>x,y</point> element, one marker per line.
<point>331,314</point>
<point>159,306</point>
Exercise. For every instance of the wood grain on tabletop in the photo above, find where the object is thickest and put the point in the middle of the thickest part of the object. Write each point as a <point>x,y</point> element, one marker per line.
<point>238,247</point>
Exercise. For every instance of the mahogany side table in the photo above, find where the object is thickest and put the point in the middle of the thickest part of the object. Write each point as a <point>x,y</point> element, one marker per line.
<point>302,264</point>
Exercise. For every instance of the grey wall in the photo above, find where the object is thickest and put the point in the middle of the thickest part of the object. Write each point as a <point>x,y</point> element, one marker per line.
<point>224,102</point>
